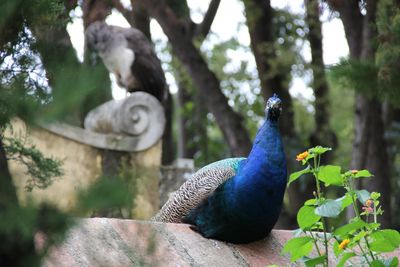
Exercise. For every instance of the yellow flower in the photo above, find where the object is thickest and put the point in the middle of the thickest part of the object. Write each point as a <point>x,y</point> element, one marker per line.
<point>302,156</point>
<point>354,171</point>
<point>344,243</point>
<point>369,203</point>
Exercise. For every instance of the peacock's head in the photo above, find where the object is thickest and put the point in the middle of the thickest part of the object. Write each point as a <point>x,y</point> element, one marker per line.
<point>274,107</point>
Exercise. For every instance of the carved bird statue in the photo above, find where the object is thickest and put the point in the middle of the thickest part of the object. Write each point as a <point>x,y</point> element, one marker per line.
<point>129,55</point>
<point>237,200</point>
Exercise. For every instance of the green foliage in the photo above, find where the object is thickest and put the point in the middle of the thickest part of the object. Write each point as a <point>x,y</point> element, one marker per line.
<point>330,175</point>
<point>33,93</point>
<point>359,75</point>
<point>239,84</point>
<point>386,240</point>
<point>388,51</point>
<point>341,119</point>
<point>307,217</point>
<point>378,76</point>
<point>359,239</point>
<point>304,122</point>
<point>18,228</point>
<point>106,195</point>
<point>42,170</point>
<point>298,247</point>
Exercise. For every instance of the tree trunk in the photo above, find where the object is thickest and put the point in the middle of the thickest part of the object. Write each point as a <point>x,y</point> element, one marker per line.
<point>141,19</point>
<point>180,37</point>
<point>192,128</point>
<point>187,148</point>
<point>259,16</point>
<point>369,146</point>
<point>378,161</point>
<point>323,135</point>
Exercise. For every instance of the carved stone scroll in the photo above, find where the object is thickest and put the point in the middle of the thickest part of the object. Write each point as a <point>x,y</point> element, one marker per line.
<point>131,124</point>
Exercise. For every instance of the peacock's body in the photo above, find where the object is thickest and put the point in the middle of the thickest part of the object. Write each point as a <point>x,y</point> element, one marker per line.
<point>239,199</point>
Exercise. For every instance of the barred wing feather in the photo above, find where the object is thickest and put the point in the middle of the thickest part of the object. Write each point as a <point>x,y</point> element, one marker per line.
<point>196,189</point>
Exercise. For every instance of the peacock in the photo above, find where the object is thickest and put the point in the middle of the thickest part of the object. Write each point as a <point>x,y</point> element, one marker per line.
<point>236,200</point>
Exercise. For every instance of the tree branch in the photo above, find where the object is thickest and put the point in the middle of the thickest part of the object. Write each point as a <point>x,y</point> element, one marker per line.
<point>128,14</point>
<point>323,135</point>
<point>141,19</point>
<point>180,37</point>
<point>352,19</point>
<point>204,27</point>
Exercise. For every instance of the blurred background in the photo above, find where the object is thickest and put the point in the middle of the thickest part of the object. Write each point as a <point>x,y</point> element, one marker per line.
<point>334,64</point>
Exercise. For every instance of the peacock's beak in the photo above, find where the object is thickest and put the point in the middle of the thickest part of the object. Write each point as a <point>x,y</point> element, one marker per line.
<point>276,104</point>
<point>274,107</point>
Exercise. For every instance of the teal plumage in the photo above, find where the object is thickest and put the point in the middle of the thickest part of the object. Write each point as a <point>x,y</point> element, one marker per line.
<point>239,199</point>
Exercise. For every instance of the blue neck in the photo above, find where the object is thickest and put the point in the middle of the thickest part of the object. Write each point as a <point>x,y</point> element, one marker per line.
<point>266,160</point>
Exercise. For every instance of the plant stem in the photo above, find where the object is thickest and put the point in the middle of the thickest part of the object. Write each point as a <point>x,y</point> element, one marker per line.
<point>364,254</point>
<point>315,243</point>
<point>325,241</point>
<point>351,192</point>
<point>315,172</point>
<point>370,252</point>
<point>355,207</point>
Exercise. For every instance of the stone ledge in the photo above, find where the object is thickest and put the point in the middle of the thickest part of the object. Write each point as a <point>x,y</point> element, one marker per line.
<point>116,242</point>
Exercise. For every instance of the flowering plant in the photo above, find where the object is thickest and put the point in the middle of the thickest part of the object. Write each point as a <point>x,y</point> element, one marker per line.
<point>360,242</point>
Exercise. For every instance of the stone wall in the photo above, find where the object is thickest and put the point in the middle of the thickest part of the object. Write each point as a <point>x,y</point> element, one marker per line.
<point>83,165</point>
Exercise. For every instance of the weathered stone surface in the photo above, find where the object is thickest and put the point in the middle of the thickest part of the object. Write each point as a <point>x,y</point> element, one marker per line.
<point>115,242</point>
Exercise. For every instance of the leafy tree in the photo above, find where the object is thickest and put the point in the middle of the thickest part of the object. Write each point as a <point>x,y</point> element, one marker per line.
<point>33,87</point>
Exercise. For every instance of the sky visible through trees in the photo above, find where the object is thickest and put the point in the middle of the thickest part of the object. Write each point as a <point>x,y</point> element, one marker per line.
<point>230,22</point>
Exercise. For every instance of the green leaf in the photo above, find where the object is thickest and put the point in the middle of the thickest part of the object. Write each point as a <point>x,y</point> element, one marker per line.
<point>306,217</point>
<point>358,236</point>
<point>330,174</point>
<point>347,229</point>
<point>346,201</point>
<point>363,174</point>
<point>345,257</point>
<point>372,226</point>
<point>377,263</point>
<point>386,240</point>
<point>319,150</point>
<point>375,195</point>
<point>363,195</point>
<point>298,247</point>
<point>392,262</point>
<point>330,208</point>
<point>310,202</point>
<point>315,261</point>
<point>310,156</point>
<point>336,250</point>
<point>294,176</point>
